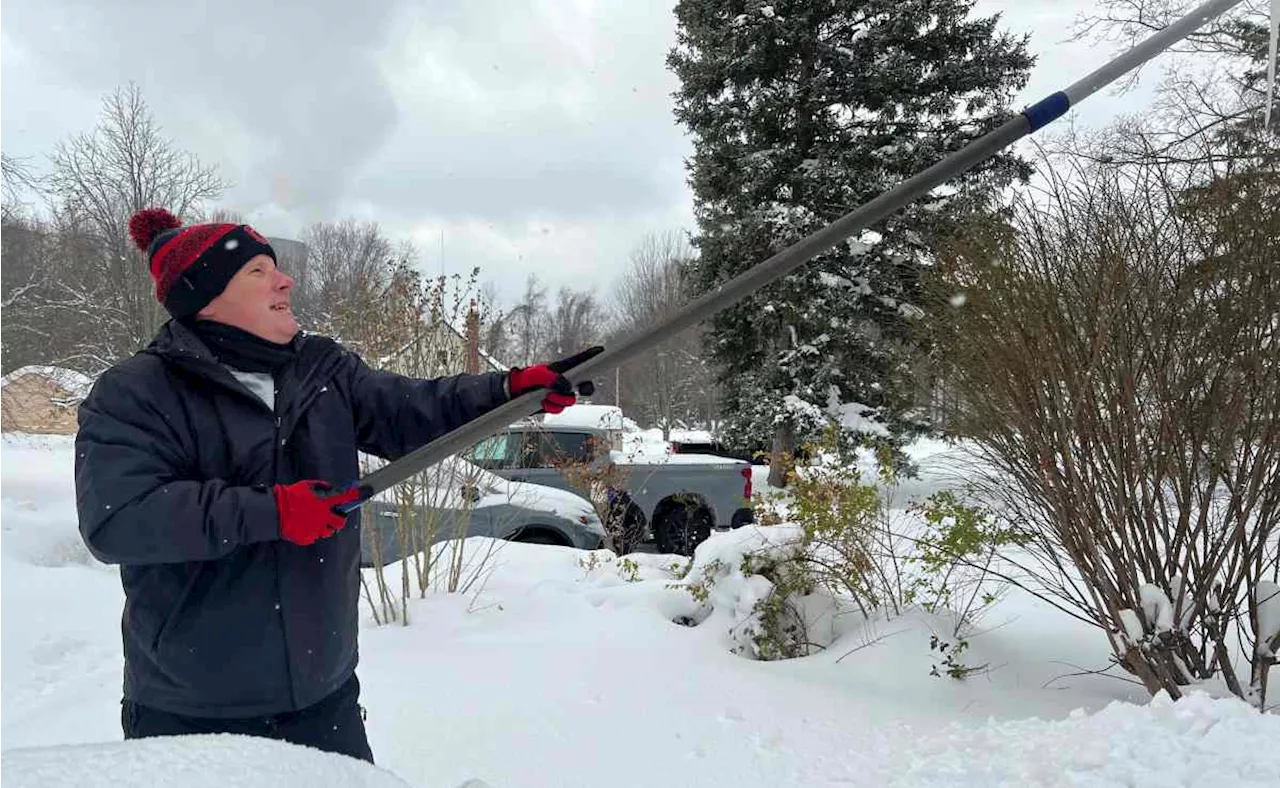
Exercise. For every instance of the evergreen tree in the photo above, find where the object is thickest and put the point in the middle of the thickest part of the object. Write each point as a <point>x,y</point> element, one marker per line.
<point>800,111</point>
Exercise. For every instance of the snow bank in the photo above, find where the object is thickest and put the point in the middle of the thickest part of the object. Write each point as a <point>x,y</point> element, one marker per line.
<point>558,671</point>
<point>190,761</point>
<point>1197,741</point>
<point>39,514</point>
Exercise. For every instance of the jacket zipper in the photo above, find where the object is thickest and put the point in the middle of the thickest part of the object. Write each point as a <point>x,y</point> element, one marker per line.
<point>277,449</point>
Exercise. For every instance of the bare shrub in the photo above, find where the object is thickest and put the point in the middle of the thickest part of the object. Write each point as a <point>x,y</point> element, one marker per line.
<point>405,325</point>
<point>859,552</point>
<point>1115,347</point>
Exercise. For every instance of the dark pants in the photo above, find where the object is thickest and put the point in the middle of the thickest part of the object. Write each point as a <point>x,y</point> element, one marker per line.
<point>335,724</point>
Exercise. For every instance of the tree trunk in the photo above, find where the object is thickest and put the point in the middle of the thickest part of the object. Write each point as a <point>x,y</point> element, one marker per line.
<point>783,454</point>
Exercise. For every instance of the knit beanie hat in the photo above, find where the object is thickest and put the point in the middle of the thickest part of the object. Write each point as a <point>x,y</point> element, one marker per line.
<point>192,265</point>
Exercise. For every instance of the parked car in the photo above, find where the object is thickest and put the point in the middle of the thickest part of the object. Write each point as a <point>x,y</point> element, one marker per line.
<point>673,500</point>
<point>457,498</point>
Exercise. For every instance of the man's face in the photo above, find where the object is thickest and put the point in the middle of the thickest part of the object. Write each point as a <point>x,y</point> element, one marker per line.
<point>257,300</point>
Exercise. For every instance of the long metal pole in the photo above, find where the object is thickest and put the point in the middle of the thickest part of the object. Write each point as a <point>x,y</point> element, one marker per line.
<point>1028,121</point>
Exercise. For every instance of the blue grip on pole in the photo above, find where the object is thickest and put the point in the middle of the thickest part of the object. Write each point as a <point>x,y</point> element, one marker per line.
<point>1047,110</point>
<point>351,506</point>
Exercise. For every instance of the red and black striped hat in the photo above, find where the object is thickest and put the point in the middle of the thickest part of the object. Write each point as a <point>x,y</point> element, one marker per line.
<point>192,265</point>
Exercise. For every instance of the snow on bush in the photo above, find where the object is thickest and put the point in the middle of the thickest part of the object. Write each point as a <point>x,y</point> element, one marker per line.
<point>835,551</point>
<point>749,584</point>
<point>219,761</point>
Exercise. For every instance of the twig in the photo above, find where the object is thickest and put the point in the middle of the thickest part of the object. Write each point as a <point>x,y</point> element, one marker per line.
<point>871,643</point>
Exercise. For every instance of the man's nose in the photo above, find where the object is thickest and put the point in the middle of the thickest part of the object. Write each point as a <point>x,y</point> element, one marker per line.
<point>283,281</point>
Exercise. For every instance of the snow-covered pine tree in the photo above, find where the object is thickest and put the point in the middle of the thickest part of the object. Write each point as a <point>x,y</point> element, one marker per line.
<point>800,110</point>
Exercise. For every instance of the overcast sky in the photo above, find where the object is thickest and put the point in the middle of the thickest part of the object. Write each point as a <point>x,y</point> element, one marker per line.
<point>535,136</point>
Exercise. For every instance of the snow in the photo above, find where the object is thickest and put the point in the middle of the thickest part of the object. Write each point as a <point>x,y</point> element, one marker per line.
<point>192,762</point>
<point>77,384</point>
<point>567,667</point>
<point>1132,625</point>
<point>1268,594</point>
<point>1156,607</point>
<point>606,417</point>
<point>546,499</point>
<point>855,416</point>
<point>1196,741</point>
<point>801,409</point>
<point>647,447</point>
<point>690,436</point>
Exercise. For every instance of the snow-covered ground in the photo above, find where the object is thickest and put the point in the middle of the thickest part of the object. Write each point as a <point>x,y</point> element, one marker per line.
<point>561,672</point>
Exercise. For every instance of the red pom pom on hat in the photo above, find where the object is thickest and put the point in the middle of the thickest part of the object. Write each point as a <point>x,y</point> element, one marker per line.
<point>147,224</point>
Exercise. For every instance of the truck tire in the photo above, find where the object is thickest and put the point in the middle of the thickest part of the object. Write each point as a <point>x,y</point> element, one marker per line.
<point>682,529</point>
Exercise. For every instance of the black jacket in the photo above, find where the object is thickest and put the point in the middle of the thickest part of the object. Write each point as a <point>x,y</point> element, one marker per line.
<point>175,460</point>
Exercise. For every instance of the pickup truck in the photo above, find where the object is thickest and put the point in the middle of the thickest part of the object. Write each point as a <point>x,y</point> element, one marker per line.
<point>674,500</point>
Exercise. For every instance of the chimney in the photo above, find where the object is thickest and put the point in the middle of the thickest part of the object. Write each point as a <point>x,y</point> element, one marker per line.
<point>472,357</point>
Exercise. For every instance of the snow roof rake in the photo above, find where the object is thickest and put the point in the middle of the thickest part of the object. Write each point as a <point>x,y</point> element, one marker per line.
<point>594,363</point>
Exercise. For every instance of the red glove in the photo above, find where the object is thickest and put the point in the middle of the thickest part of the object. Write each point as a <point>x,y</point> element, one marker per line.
<point>306,517</point>
<point>551,376</point>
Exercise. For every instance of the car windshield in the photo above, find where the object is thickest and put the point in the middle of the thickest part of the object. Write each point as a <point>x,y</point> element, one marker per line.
<point>559,447</point>
<point>495,451</point>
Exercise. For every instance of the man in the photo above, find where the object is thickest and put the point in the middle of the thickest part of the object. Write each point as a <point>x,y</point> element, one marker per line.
<point>208,467</point>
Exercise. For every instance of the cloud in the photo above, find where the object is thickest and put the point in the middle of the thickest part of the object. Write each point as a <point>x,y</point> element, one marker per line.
<point>537,136</point>
<point>297,89</point>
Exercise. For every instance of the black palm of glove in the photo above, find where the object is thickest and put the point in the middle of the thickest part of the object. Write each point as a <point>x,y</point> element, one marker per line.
<point>560,394</point>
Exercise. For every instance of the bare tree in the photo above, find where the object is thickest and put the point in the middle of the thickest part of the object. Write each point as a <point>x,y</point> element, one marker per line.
<point>224,216</point>
<point>495,339</point>
<point>1117,357</point>
<point>98,180</point>
<point>575,323</point>
<point>672,384</point>
<point>19,180</point>
<point>25,247</point>
<point>528,322</point>
<point>347,264</point>
<point>1218,85</point>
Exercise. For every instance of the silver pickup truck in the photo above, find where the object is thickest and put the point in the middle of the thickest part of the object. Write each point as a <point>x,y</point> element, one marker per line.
<point>674,500</point>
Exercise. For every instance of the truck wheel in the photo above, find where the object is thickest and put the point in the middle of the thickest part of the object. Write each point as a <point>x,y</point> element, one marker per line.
<point>682,529</point>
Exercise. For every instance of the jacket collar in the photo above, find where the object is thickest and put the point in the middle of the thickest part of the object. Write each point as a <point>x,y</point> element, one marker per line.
<point>315,359</point>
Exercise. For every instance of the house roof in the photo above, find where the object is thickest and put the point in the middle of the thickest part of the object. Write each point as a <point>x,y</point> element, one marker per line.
<point>497,365</point>
<point>74,383</point>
